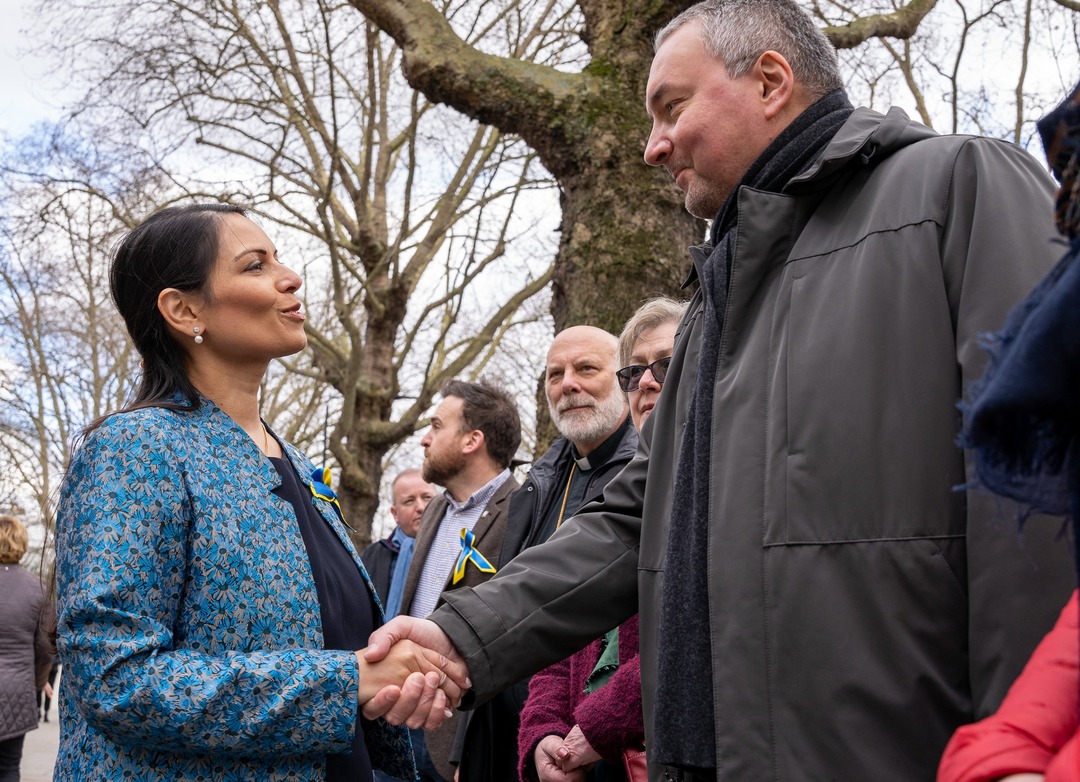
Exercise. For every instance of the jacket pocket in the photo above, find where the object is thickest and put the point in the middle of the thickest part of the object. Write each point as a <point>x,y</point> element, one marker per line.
<point>862,408</point>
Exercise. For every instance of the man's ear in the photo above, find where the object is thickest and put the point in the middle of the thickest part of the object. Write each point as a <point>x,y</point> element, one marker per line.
<point>777,82</point>
<point>178,309</point>
<point>473,441</point>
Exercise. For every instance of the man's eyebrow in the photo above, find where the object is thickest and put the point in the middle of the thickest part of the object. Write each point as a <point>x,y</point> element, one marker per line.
<point>657,94</point>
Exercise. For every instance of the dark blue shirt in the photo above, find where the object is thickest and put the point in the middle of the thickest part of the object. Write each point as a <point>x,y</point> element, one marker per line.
<point>345,604</point>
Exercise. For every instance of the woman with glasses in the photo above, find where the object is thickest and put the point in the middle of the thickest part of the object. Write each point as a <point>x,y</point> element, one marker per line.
<point>645,352</point>
<point>592,699</point>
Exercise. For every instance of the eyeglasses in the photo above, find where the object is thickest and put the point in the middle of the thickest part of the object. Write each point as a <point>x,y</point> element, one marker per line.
<point>630,377</point>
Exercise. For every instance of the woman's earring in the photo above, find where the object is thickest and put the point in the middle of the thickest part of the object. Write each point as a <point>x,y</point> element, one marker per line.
<point>198,336</point>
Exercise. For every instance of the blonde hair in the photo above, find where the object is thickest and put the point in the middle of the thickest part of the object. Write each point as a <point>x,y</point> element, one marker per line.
<point>653,313</point>
<point>13,540</point>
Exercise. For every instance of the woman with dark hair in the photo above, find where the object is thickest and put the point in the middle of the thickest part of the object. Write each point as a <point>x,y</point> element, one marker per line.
<point>210,600</point>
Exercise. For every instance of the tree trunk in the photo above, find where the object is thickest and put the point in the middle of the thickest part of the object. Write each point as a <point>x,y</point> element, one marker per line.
<point>624,240</point>
<point>624,229</point>
<point>368,432</point>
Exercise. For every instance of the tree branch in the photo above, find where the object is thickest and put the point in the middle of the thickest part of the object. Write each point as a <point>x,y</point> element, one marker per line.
<point>901,23</point>
<point>534,101</point>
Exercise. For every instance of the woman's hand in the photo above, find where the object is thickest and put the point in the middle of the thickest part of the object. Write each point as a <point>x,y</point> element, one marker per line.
<point>575,751</point>
<point>547,764</point>
<point>417,682</point>
<point>413,702</point>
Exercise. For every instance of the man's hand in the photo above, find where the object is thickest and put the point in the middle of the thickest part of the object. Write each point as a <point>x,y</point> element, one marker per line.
<point>547,764</point>
<point>416,676</point>
<point>576,751</point>
<point>419,700</point>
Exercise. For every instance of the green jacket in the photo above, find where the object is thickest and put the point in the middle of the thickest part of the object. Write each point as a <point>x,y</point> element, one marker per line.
<point>862,608</point>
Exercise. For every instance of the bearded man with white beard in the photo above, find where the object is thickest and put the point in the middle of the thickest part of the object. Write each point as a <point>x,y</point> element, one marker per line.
<point>597,440</point>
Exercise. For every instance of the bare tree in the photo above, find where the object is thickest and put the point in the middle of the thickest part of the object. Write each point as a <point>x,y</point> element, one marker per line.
<point>425,232</point>
<point>66,356</point>
<point>624,232</point>
<point>985,66</point>
<point>410,217</point>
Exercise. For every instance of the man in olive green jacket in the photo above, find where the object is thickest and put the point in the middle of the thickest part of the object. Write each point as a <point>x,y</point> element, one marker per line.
<point>856,608</point>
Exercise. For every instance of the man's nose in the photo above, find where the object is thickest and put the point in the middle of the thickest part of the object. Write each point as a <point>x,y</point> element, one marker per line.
<point>657,149</point>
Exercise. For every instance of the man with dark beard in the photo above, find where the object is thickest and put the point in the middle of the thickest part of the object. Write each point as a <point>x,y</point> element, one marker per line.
<point>474,434</point>
<point>597,440</point>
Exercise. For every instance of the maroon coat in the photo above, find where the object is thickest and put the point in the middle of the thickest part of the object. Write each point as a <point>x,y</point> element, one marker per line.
<point>611,718</point>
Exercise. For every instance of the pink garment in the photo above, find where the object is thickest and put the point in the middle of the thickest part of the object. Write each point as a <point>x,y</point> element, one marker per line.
<point>1036,727</point>
<point>611,718</point>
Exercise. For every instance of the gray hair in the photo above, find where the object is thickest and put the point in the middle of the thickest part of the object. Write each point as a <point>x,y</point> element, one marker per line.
<point>737,32</point>
<point>653,313</point>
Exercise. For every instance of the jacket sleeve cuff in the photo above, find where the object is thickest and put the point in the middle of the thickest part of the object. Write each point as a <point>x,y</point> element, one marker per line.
<point>468,643</point>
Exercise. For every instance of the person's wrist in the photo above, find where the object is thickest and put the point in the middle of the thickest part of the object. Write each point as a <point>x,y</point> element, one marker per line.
<point>362,695</point>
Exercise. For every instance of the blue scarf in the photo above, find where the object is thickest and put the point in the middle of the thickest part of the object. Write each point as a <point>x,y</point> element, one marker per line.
<point>405,546</point>
<point>1023,416</point>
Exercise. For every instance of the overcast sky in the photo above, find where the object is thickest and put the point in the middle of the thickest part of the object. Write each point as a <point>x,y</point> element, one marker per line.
<point>30,93</point>
<point>25,94</point>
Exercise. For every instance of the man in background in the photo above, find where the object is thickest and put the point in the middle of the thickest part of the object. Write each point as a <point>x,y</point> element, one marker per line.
<point>387,560</point>
<point>474,434</point>
<point>597,439</point>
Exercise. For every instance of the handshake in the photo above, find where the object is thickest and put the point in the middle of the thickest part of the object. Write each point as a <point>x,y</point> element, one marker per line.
<point>411,674</point>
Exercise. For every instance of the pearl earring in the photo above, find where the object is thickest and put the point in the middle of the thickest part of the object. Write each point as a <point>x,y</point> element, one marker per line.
<point>198,336</point>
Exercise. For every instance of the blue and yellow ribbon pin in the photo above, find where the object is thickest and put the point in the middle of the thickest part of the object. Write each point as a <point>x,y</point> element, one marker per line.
<point>320,487</point>
<point>469,552</point>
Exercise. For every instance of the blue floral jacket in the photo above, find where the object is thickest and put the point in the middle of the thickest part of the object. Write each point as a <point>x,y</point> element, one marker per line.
<point>189,624</point>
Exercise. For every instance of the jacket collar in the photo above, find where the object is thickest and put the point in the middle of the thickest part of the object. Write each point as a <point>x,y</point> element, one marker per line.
<point>866,138</point>
<point>248,458</point>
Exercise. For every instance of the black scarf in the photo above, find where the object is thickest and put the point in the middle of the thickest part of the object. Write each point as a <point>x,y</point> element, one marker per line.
<point>684,731</point>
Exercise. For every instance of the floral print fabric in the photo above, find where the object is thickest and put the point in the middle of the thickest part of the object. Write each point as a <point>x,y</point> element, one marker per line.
<point>189,623</point>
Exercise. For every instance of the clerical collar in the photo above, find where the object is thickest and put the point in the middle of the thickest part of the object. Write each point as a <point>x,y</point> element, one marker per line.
<point>601,453</point>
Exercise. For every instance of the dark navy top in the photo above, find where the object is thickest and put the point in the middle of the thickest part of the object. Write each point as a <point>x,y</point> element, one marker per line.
<point>345,604</point>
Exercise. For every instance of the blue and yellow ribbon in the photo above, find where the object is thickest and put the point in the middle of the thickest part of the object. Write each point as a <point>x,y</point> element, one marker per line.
<point>320,487</point>
<point>469,552</point>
